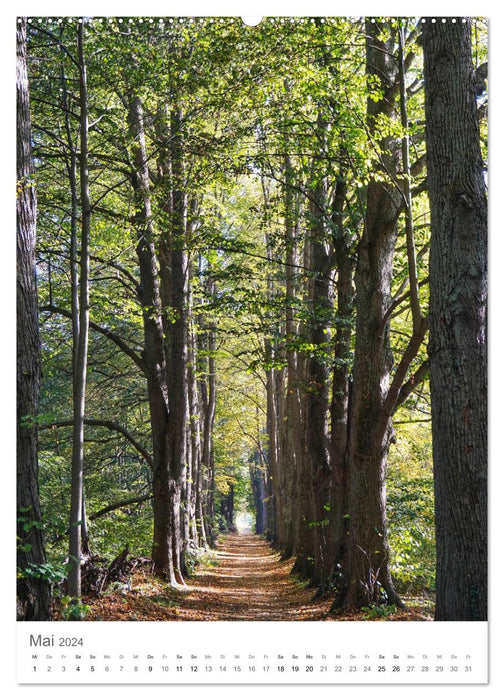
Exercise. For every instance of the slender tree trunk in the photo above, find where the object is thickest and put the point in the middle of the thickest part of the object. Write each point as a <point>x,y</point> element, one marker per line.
<point>33,594</point>
<point>208,396</point>
<point>279,376</point>
<point>340,398</point>
<point>81,353</point>
<point>197,524</point>
<point>258,490</point>
<point>273,476</point>
<point>292,442</point>
<point>458,308</point>
<point>227,509</point>
<point>72,170</point>
<point>274,385</point>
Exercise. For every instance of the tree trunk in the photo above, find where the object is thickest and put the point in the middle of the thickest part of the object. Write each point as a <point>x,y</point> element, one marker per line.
<point>197,527</point>
<point>177,337</point>
<point>33,593</point>
<point>292,450</point>
<point>458,307</point>
<point>72,169</point>
<point>317,401</point>
<point>208,397</point>
<point>207,461</point>
<point>258,491</point>
<point>340,398</point>
<point>154,349</point>
<point>227,509</point>
<point>273,470</point>
<point>366,561</point>
<point>82,340</point>
<point>303,566</point>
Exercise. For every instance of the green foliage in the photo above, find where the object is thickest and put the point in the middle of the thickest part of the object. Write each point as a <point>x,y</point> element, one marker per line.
<point>378,612</point>
<point>29,422</point>
<point>27,522</point>
<point>72,609</point>
<point>410,509</point>
<point>195,557</point>
<point>132,525</point>
<point>52,573</point>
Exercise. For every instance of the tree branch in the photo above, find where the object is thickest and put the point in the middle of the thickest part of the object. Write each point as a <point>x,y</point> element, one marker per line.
<point>111,425</point>
<point>409,386</point>
<point>120,504</point>
<point>397,386</point>
<point>117,340</point>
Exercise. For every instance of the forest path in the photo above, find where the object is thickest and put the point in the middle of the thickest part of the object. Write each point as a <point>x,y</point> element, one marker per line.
<point>243,579</point>
<point>248,582</point>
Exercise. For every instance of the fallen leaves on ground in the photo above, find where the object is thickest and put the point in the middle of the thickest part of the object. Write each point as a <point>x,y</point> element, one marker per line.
<point>246,581</point>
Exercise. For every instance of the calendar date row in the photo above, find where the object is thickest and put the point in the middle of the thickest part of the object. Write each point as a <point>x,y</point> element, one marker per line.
<point>289,669</point>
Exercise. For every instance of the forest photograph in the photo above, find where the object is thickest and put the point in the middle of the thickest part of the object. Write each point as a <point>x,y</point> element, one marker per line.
<point>251,318</point>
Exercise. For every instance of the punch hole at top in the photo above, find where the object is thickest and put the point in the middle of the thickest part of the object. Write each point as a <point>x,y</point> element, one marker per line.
<point>251,21</point>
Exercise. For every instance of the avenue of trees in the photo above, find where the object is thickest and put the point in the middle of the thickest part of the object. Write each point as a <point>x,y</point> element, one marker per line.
<point>250,262</point>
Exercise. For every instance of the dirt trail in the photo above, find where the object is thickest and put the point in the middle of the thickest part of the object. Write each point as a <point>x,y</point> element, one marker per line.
<point>244,581</point>
<point>249,582</point>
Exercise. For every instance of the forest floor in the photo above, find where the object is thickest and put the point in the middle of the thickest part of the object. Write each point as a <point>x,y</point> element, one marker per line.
<point>244,579</point>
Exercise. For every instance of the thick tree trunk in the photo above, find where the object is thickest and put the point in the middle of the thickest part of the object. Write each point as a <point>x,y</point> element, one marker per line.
<point>154,349</point>
<point>316,554</point>
<point>178,336</point>
<point>317,400</point>
<point>458,307</point>
<point>33,594</point>
<point>303,566</point>
<point>366,562</point>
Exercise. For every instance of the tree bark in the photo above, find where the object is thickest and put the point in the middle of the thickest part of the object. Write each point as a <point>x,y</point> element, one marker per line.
<point>227,510</point>
<point>177,338</point>
<point>458,308</point>
<point>198,532</point>
<point>33,593</point>
<point>72,169</point>
<point>208,390</point>
<point>366,562</point>
<point>258,490</point>
<point>340,398</point>
<point>318,374</point>
<point>81,352</point>
<point>292,450</point>
<point>273,467</point>
<point>154,349</point>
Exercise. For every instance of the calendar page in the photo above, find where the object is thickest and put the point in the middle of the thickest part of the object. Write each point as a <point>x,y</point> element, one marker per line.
<point>252,360</point>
